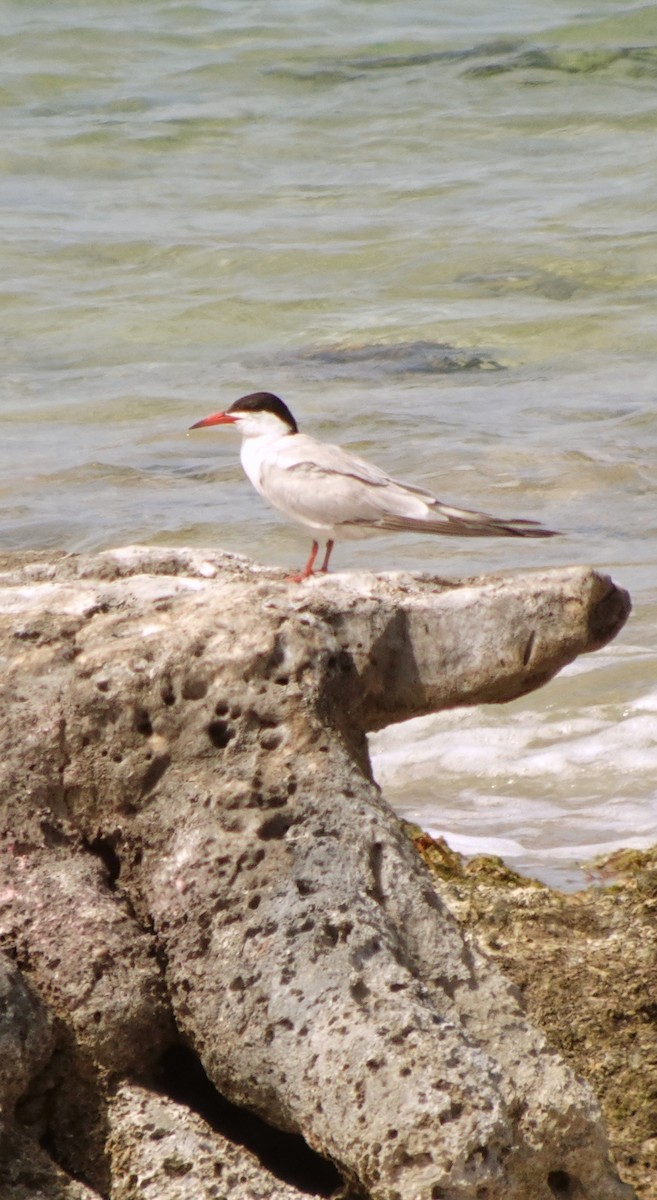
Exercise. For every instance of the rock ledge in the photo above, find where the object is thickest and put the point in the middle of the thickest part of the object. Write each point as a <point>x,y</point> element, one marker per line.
<point>194,852</point>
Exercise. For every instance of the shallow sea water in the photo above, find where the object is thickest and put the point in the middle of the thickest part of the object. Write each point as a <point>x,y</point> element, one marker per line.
<point>431,228</point>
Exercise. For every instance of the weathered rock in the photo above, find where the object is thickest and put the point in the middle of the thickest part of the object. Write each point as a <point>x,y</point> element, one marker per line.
<point>26,1038</point>
<point>28,1173</point>
<point>113,999</point>
<point>26,1043</point>
<point>202,726</point>
<point>586,964</point>
<point>160,1149</point>
<point>96,971</point>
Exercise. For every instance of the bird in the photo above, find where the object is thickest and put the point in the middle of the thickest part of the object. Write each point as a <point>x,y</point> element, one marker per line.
<point>337,494</point>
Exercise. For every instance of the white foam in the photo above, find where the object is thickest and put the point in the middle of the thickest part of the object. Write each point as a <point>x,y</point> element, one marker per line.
<point>525,745</point>
<point>545,785</point>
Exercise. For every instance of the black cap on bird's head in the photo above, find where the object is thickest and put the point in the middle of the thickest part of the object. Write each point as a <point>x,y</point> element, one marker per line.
<point>255,402</point>
<point>265,402</point>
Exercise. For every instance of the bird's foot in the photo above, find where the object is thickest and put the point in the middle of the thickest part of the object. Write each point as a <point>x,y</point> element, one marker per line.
<point>308,569</point>
<point>306,575</point>
<point>300,577</point>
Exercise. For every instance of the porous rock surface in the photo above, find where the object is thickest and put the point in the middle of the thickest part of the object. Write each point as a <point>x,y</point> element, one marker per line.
<point>26,1044</point>
<point>158,1148</point>
<point>25,1036</point>
<point>586,965</point>
<point>197,727</point>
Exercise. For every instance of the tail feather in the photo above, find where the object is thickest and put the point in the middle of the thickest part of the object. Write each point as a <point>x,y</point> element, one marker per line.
<point>461,523</point>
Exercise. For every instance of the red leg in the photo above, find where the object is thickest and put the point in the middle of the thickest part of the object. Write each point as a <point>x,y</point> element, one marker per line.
<point>329,547</point>
<point>308,569</point>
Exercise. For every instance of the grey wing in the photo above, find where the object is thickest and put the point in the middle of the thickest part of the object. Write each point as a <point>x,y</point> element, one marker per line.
<point>327,486</point>
<point>332,487</point>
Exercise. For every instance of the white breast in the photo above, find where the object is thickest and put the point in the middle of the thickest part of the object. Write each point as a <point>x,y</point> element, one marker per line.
<point>253,453</point>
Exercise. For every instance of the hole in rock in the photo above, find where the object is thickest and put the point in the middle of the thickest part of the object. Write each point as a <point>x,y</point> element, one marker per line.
<point>286,1155</point>
<point>153,773</point>
<point>270,739</point>
<point>194,688</point>
<point>142,722</point>
<point>528,648</point>
<point>219,734</point>
<point>562,1185</point>
<point>104,850</point>
<point>360,991</point>
<point>275,827</point>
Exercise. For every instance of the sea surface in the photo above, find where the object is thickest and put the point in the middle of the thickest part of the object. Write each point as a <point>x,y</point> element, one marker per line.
<point>432,229</point>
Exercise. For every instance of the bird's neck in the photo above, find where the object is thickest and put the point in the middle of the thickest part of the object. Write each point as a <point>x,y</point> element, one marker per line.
<point>258,446</point>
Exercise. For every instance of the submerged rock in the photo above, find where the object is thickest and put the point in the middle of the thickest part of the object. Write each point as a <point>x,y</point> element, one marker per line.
<point>196,728</point>
<point>392,359</point>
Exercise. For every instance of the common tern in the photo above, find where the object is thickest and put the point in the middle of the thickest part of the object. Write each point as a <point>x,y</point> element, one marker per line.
<point>337,494</point>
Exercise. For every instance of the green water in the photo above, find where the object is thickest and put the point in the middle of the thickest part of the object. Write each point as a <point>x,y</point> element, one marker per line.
<point>432,229</point>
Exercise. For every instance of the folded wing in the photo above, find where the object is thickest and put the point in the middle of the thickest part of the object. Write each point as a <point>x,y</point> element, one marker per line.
<point>326,488</point>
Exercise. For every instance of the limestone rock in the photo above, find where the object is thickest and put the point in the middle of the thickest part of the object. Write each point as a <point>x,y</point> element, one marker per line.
<point>201,725</point>
<point>26,1043</point>
<point>28,1173</point>
<point>160,1149</point>
<point>112,999</point>
<point>26,1038</point>
<point>586,964</point>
